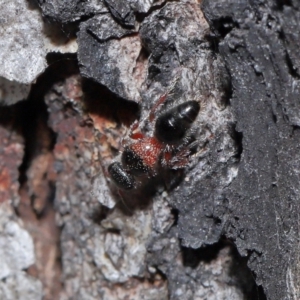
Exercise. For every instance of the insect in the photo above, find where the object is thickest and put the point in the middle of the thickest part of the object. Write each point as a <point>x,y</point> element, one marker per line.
<point>168,147</point>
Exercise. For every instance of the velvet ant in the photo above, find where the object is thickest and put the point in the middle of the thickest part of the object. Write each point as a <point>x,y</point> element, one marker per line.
<point>168,147</point>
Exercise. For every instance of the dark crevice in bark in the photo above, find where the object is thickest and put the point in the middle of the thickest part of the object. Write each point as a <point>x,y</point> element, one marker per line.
<point>99,214</point>
<point>260,293</point>
<point>282,3</point>
<point>274,117</point>
<point>192,257</point>
<point>62,33</point>
<point>57,61</point>
<point>228,89</point>
<point>214,41</point>
<point>37,176</point>
<point>9,117</point>
<point>292,70</point>
<point>33,117</point>
<point>127,112</point>
<point>238,138</point>
<point>295,127</point>
<point>175,213</point>
<point>37,192</point>
<point>223,27</point>
<point>111,37</point>
<point>245,277</point>
<point>240,274</point>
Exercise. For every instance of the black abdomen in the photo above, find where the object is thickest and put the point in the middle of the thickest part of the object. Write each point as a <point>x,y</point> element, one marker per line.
<point>172,126</point>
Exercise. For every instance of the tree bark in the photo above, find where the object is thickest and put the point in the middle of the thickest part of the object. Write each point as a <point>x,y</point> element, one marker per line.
<point>223,224</point>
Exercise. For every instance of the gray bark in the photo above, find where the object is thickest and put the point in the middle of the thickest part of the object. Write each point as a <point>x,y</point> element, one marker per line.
<point>224,226</point>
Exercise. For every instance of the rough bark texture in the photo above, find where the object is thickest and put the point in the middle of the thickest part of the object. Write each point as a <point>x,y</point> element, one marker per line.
<point>260,53</point>
<point>223,227</point>
<point>16,244</point>
<point>25,41</point>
